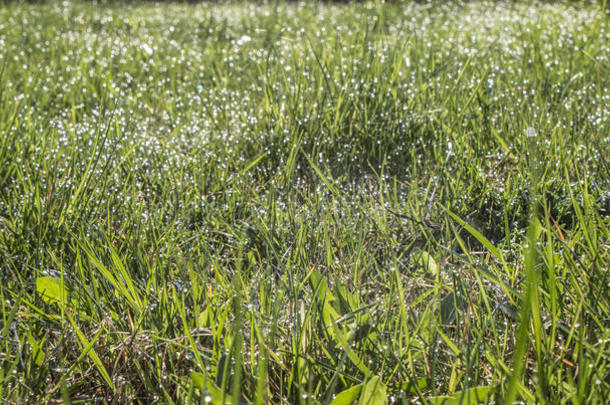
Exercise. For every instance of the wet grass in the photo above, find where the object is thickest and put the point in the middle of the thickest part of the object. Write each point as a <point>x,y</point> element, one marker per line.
<point>304,203</point>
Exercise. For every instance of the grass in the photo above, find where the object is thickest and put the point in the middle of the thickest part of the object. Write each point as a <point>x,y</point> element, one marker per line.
<point>304,203</point>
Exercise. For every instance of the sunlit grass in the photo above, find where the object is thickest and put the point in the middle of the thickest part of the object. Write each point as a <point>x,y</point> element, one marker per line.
<point>304,203</point>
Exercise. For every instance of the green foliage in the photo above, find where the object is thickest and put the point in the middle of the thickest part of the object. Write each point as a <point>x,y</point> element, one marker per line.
<point>51,289</point>
<point>304,203</point>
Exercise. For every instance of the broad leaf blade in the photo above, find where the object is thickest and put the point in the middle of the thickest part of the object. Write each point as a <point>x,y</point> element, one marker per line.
<point>374,392</point>
<point>347,397</point>
<point>50,289</point>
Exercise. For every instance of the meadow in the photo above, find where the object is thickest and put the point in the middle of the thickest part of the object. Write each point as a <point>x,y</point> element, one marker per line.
<point>305,203</point>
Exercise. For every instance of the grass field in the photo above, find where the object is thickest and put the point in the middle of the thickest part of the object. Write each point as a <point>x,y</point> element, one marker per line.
<point>305,203</point>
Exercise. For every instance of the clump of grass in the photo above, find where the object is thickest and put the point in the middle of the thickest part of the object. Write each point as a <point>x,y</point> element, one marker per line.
<point>304,203</point>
